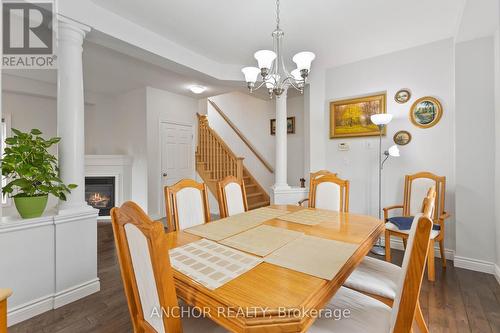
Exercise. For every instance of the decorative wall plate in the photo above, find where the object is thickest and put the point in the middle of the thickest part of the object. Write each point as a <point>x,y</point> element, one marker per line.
<point>402,96</point>
<point>402,138</point>
<point>426,112</point>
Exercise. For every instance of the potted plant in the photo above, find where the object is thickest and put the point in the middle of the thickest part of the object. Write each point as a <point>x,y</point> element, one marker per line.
<point>31,172</point>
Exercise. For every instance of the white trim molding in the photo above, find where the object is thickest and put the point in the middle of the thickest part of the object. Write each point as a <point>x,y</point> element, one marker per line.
<point>474,264</point>
<point>397,244</point>
<point>497,273</point>
<point>77,292</point>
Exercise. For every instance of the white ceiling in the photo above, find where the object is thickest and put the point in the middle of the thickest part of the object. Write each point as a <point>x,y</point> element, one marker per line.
<point>338,31</point>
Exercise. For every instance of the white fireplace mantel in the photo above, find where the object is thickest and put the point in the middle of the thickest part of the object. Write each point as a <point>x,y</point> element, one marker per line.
<point>118,166</point>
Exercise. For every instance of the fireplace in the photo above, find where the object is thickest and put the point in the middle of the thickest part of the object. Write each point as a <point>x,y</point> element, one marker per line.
<point>100,193</point>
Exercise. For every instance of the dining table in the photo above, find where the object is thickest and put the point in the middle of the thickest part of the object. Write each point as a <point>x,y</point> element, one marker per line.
<point>272,298</point>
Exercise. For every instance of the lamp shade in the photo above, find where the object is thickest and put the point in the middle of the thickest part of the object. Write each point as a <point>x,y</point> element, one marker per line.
<point>381,118</point>
<point>251,74</point>
<point>265,58</point>
<point>296,75</point>
<point>394,151</point>
<point>303,60</point>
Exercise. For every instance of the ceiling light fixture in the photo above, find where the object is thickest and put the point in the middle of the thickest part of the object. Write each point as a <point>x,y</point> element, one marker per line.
<point>272,67</point>
<point>196,89</point>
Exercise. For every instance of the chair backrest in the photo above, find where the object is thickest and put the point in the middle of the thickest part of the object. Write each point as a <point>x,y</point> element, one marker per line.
<point>412,272</point>
<point>231,196</point>
<point>145,268</point>
<point>329,192</point>
<point>186,204</point>
<point>4,294</point>
<point>429,203</point>
<point>416,187</point>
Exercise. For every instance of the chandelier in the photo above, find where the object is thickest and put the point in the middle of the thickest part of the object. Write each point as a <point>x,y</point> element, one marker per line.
<point>272,68</point>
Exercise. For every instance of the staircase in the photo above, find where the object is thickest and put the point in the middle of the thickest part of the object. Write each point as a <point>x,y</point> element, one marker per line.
<point>215,161</point>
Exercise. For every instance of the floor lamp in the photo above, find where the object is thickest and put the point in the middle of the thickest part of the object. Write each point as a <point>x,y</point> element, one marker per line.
<point>381,120</point>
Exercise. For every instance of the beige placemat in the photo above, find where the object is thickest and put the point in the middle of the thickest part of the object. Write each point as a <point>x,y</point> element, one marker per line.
<point>314,256</point>
<point>311,216</point>
<point>235,224</point>
<point>262,240</point>
<point>211,264</point>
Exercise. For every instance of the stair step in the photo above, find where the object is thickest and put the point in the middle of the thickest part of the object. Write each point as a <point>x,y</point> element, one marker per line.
<point>253,195</point>
<point>258,205</point>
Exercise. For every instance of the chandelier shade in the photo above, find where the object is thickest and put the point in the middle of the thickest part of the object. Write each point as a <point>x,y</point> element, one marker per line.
<point>381,118</point>
<point>271,66</point>
<point>251,74</point>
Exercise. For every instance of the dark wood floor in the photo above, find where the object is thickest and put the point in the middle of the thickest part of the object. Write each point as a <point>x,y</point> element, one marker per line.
<point>459,301</point>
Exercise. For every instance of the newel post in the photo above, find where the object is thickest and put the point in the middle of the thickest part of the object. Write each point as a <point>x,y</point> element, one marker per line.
<point>239,167</point>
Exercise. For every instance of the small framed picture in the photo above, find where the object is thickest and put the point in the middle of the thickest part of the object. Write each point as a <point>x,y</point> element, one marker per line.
<point>426,112</point>
<point>290,126</point>
<point>402,138</point>
<point>402,96</point>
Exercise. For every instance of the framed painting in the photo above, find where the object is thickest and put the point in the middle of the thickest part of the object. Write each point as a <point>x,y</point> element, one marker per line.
<point>290,126</point>
<point>351,117</point>
<point>426,112</point>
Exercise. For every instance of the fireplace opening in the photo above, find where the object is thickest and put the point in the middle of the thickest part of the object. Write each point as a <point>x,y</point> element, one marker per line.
<point>100,193</point>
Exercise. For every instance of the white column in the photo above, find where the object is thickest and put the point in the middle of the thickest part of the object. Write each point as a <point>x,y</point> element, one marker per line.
<point>70,111</point>
<point>281,145</point>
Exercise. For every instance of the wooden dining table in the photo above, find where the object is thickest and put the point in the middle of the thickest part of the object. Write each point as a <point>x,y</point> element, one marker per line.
<point>270,298</point>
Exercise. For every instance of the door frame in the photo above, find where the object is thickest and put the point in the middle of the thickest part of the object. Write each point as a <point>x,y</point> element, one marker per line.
<point>161,199</point>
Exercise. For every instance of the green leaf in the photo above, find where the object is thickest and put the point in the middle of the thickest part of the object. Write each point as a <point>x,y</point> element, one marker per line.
<point>72,186</point>
<point>16,131</point>
<point>36,131</point>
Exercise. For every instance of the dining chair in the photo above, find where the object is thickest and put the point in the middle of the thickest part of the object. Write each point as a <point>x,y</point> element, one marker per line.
<point>231,196</point>
<point>4,294</point>
<point>147,275</point>
<point>329,192</point>
<point>314,175</point>
<point>186,204</point>
<point>415,189</point>
<point>379,278</point>
<point>367,314</point>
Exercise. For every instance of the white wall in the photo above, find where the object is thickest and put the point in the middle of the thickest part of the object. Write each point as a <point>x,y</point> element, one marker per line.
<point>169,107</point>
<point>117,125</point>
<point>475,152</point>
<point>427,71</point>
<point>497,145</point>
<point>252,116</point>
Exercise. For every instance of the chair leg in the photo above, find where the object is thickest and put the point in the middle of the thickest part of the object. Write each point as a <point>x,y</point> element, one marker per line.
<point>387,246</point>
<point>405,241</point>
<point>419,318</point>
<point>441,249</point>
<point>431,273</point>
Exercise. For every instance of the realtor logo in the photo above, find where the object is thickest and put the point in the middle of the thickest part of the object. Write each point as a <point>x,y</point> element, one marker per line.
<point>28,34</point>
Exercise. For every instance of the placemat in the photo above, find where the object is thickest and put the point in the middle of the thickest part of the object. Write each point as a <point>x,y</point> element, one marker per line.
<point>235,224</point>
<point>211,264</point>
<point>311,216</point>
<point>261,240</point>
<point>315,256</point>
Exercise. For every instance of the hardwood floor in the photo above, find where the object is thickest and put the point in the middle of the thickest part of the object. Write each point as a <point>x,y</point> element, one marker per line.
<point>459,301</point>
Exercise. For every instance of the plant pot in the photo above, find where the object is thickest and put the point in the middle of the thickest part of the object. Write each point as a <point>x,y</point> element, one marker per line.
<point>29,207</point>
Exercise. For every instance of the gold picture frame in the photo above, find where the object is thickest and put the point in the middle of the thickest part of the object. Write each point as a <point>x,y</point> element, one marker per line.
<point>290,126</point>
<point>351,117</point>
<point>426,112</point>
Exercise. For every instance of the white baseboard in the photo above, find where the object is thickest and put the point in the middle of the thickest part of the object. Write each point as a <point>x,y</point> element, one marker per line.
<point>397,244</point>
<point>30,309</point>
<point>38,306</point>
<point>77,292</point>
<point>474,265</point>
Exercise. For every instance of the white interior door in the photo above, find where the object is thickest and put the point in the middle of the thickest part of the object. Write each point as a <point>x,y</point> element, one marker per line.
<point>177,154</point>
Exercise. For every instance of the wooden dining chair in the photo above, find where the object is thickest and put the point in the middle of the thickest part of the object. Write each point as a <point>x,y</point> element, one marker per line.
<point>315,175</point>
<point>367,314</point>
<point>147,275</point>
<point>4,294</point>
<point>415,189</point>
<point>379,279</point>
<point>186,204</point>
<point>231,196</point>
<point>329,192</point>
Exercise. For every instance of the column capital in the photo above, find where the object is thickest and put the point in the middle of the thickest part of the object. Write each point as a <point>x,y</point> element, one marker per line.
<point>70,28</point>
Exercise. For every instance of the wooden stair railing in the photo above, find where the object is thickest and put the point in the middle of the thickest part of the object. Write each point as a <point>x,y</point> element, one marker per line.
<point>243,138</point>
<point>215,161</point>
